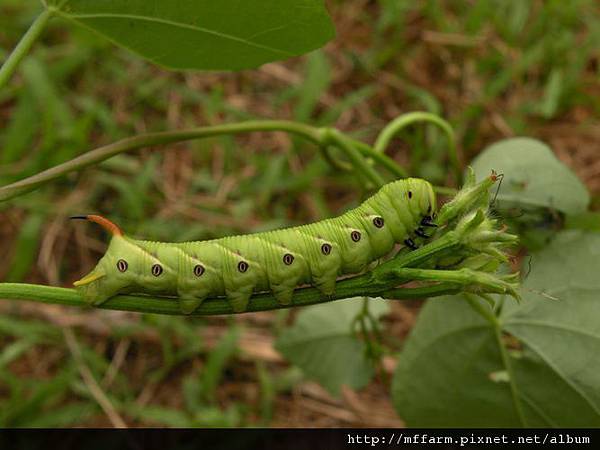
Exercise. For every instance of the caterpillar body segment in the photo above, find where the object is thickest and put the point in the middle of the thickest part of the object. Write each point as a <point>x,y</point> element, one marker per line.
<point>278,261</point>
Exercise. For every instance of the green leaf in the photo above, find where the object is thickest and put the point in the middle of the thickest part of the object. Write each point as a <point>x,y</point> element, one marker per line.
<point>552,93</point>
<point>322,344</point>
<point>14,350</point>
<point>42,397</point>
<point>25,248</point>
<point>444,373</point>
<point>206,34</point>
<point>533,176</point>
<point>64,416</point>
<point>561,336</point>
<point>316,82</point>
<point>589,221</point>
<point>160,415</point>
<point>452,372</point>
<point>21,129</point>
<point>217,360</point>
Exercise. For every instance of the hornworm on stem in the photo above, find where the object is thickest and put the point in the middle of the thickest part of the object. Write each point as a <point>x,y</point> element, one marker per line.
<point>240,268</point>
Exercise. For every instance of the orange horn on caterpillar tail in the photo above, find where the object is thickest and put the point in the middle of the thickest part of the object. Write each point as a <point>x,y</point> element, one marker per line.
<point>109,226</point>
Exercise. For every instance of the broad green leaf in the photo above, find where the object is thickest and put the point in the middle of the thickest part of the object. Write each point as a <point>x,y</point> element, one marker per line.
<point>206,34</point>
<point>322,344</point>
<point>563,335</point>
<point>452,373</point>
<point>444,374</point>
<point>533,176</point>
<point>589,221</point>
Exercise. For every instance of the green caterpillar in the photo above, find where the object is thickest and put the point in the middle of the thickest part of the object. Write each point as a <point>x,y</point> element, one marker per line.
<point>278,260</point>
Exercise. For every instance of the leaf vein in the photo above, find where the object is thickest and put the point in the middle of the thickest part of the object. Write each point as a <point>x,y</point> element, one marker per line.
<point>181,25</point>
<point>563,377</point>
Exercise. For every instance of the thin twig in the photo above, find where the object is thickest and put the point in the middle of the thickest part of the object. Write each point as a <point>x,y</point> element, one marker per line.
<point>405,120</point>
<point>10,65</point>
<point>318,136</point>
<point>116,363</point>
<point>91,382</point>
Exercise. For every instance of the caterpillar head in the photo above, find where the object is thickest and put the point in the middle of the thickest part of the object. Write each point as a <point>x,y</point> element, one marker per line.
<point>113,272</point>
<point>422,192</point>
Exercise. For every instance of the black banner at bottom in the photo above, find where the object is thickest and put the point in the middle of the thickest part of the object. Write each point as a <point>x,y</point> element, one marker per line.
<point>290,439</point>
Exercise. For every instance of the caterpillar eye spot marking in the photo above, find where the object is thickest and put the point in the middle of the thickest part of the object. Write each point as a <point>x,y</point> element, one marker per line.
<point>157,270</point>
<point>378,222</point>
<point>421,233</point>
<point>326,249</point>
<point>198,270</point>
<point>355,236</point>
<point>288,259</point>
<point>242,266</point>
<point>409,194</point>
<point>410,244</point>
<point>122,265</point>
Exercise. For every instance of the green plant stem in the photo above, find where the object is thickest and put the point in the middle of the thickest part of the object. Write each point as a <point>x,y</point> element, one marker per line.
<point>22,48</point>
<point>366,150</point>
<point>489,315</point>
<point>381,158</point>
<point>511,376</point>
<point>315,135</point>
<point>211,306</point>
<point>337,138</point>
<point>395,126</point>
<point>443,190</point>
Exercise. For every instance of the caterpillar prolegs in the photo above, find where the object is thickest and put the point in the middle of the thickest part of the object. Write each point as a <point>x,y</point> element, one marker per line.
<point>279,260</point>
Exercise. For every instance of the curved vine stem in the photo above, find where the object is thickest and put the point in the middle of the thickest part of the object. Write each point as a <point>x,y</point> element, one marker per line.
<point>366,150</point>
<point>334,161</point>
<point>320,136</point>
<point>395,126</point>
<point>332,136</point>
<point>10,65</point>
<point>144,140</point>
